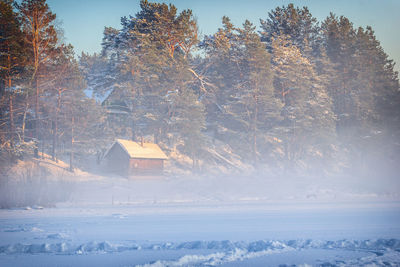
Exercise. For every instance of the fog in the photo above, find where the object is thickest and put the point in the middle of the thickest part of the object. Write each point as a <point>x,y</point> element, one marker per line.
<point>31,188</point>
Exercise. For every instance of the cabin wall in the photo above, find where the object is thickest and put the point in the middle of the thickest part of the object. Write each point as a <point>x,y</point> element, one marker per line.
<point>118,161</point>
<point>146,166</point>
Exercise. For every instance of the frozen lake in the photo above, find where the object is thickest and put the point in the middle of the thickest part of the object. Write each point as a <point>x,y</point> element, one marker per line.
<point>207,234</point>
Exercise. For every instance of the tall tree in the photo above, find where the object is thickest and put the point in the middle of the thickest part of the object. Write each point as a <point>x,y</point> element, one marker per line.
<point>189,121</point>
<point>148,54</point>
<point>376,95</point>
<point>245,108</point>
<point>379,79</point>
<point>298,24</point>
<point>307,107</point>
<point>255,93</point>
<point>76,120</point>
<point>340,42</point>
<point>12,63</point>
<point>40,33</point>
<point>64,77</point>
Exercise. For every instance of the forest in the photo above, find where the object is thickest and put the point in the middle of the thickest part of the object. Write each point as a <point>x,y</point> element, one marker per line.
<point>290,95</point>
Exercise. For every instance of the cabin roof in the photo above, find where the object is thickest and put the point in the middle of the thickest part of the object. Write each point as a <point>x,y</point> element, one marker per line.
<point>136,150</point>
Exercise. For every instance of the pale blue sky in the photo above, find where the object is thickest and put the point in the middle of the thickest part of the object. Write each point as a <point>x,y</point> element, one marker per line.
<point>84,20</point>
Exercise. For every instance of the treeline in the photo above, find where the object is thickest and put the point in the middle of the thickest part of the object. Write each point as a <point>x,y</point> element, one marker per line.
<point>43,105</point>
<point>295,92</point>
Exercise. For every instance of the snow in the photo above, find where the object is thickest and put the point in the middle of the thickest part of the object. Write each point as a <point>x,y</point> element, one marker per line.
<point>210,221</point>
<point>202,235</point>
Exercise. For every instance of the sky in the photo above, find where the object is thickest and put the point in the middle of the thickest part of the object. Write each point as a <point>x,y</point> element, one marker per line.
<point>83,21</point>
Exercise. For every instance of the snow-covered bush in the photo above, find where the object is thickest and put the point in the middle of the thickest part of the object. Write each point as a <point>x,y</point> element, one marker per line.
<point>32,186</point>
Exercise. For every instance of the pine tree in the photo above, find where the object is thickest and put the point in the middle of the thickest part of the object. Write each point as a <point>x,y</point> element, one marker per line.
<point>256,92</point>
<point>340,45</point>
<point>39,31</point>
<point>77,121</point>
<point>63,75</point>
<point>364,79</point>
<point>99,74</point>
<point>308,117</point>
<point>220,69</point>
<point>377,93</point>
<point>300,27</point>
<point>189,120</point>
<point>245,107</point>
<point>115,97</point>
<point>379,80</point>
<point>324,123</point>
<point>148,54</point>
<point>12,66</point>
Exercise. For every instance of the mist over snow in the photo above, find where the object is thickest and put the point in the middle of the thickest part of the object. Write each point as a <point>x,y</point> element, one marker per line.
<point>235,189</point>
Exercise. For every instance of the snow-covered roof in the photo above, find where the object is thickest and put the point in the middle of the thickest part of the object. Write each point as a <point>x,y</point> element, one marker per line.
<point>136,150</point>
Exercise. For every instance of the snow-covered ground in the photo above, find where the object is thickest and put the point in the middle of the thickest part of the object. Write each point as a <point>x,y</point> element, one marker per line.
<point>220,221</point>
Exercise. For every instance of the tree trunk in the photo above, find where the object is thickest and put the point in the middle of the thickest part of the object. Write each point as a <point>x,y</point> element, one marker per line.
<point>286,147</point>
<point>24,121</point>
<point>255,159</point>
<point>55,128</point>
<point>11,111</point>
<point>43,149</point>
<point>194,162</point>
<point>11,107</point>
<point>53,147</point>
<point>36,109</point>
<point>71,155</point>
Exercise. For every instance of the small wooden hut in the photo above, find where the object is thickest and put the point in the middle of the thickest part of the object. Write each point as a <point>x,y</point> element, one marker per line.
<point>129,158</point>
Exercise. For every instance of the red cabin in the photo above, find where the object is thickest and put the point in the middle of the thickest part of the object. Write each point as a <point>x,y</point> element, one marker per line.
<point>129,158</point>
